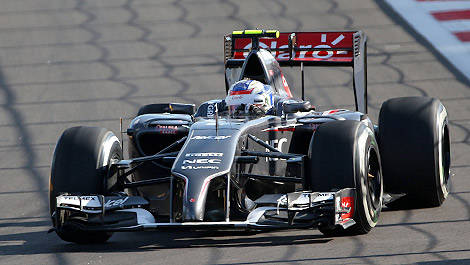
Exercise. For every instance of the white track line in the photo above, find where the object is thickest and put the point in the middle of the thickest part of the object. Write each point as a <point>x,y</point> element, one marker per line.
<point>457,25</point>
<point>442,6</point>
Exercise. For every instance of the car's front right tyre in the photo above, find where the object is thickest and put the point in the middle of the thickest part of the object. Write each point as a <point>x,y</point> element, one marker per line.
<point>79,167</point>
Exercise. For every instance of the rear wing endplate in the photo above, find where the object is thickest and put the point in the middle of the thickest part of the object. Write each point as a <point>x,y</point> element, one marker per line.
<point>332,48</point>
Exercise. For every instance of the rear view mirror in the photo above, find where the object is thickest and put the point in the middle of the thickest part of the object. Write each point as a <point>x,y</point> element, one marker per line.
<point>173,108</point>
<point>293,107</point>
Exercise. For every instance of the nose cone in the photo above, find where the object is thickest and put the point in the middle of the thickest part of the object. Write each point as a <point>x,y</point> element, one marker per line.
<point>195,201</point>
<point>208,153</point>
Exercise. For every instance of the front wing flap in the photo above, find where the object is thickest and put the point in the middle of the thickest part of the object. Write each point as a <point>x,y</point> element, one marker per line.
<point>98,204</point>
<point>311,208</point>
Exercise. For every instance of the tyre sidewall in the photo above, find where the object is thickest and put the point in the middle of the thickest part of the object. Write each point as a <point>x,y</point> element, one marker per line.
<point>441,183</point>
<point>365,215</point>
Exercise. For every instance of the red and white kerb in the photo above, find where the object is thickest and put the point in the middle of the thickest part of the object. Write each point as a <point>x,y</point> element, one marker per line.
<point>444,23</point>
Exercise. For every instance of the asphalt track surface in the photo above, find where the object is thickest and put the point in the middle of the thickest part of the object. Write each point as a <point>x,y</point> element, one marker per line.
<point>70,62</point>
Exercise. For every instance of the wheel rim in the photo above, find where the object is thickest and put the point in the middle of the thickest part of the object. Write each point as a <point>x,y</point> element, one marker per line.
<point>444,161</point>
<point>374,182</point>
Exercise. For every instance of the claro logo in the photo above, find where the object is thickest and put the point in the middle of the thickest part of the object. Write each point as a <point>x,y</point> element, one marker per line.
<point>323,44</point>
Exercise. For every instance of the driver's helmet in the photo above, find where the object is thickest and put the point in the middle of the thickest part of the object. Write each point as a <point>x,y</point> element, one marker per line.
<point>249,97</point>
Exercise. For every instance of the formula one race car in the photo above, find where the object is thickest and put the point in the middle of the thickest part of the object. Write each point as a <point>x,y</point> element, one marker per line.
<point>258,159</point>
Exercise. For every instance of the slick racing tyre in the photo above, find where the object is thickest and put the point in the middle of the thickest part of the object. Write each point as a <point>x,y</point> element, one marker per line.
<point>79,166</point>
<point>415,149</point>
<point>344,154</point>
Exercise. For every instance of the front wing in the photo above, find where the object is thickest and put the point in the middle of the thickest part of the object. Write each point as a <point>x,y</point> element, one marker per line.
<point>274,211</point>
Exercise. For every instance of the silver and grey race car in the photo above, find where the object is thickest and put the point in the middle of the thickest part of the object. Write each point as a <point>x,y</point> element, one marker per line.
<point>296,167</point>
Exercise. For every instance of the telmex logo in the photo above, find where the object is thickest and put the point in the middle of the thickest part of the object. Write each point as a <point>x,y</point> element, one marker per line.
<point>76,198</point>
<point>204,154</point>
<point>219,137</point>
<point>202,161</point>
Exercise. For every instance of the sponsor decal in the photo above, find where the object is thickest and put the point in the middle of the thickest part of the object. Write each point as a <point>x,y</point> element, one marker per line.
<point>305,40</point>
<point>199,167</point>
<point>202,161</point>
<point>212,137</point>
<point>347,204</point>
<point>72,198</point>
<point>282,201</point>
<point>88,198</point>
<point>323,197</point>
<point>77,198</point>
<point>302,200</point>
<point>204,154</point>
<point>276,143</point>
<point>112,203</point>
<point>210,110</point>
<point>167,129</point>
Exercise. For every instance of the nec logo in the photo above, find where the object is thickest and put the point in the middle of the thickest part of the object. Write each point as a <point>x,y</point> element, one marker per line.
<point>277,144</point>
<point>202,161</point>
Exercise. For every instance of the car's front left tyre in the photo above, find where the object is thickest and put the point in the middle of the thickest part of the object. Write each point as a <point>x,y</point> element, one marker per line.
<point>344,154</point>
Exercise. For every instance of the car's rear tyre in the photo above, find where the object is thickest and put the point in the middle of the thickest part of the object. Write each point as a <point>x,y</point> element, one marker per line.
<point>415,149</point>
<point>79,166</point>
<point>344,154</point>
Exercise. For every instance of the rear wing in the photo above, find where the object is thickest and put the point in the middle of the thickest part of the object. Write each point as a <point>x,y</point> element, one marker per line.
<point>333,48</point>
